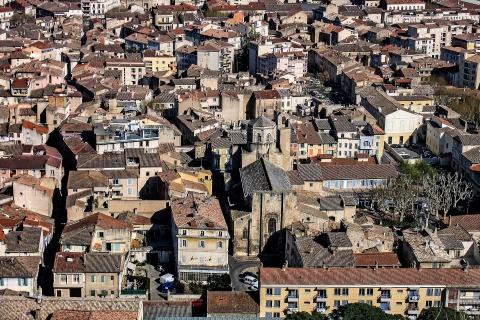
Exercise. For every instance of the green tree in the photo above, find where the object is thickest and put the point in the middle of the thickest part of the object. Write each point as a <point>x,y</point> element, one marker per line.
<point>17,19</point>
<point>442,314</point>
<point>244,54</point>
<point>418,170</point>
<point>361,311</point>
<point>219,282</point>
<point>305,316</point>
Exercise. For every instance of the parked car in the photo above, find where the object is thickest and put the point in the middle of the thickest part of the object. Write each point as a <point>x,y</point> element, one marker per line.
<point>197,303</point>
<point>169,286</point>
<point>167,277</point>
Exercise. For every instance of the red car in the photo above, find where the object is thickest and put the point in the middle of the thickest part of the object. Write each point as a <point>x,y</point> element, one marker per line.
<point>197,303</point>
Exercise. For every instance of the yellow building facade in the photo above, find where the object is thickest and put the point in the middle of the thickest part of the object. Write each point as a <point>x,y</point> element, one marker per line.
<point>401,291</point>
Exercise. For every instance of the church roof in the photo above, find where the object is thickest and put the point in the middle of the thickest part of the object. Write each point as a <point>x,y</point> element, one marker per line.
<point>261,122</point>
<point>262,175</point>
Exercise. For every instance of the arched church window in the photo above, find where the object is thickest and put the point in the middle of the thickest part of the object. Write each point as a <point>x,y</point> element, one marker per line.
<point>245,233</point>
<point>269,137</point>
<point>259,137</point>
<point>272,225</point>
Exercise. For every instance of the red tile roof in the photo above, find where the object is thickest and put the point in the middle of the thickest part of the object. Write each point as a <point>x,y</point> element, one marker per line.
<point>31,126</point>
<point>384,259</point>
<point>369,276</point>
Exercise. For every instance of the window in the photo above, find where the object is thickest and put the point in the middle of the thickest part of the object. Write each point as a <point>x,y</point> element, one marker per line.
<point>129,181</point>
<point>103,279</point>
<point>429,304</point>
<point>2,283</point>
<point>147,173</point>
<point>202,233</point>
<point>276,291</point>
<point>220,233</point>
<point>438,292</point>
<point>345,291</point>
<point>344,302</point>
<point>219,245</point>
<point>369,292</point>
<point>259,138</point>
<point>76,278</point>
<point>336,303</point>
<point>129,190</point>
<point>377,144</point>
<point>272,225</point>
<point>202,260</point>
<point>184,259</point>
<point>184,232</point>
<point>245,233</point>
<point>361,292</point>
<point>377,137</point>
<point>336,291</point>
<point>276,303</point>
<point>94,278</point>
<point>399,291</point>
<point>269,291</point>
<point>437,304</point>
<point>429,292</point>
<point>100,235</point>
<point>183,244</point>
<point>201,244</point>
<point>63,278</point>
<point>268,304</point>
<point>92,293</point>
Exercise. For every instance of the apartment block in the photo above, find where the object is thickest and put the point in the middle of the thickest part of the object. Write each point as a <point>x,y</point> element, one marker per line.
<point>403,291</point>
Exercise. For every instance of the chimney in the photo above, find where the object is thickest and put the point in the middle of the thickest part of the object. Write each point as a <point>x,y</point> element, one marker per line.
<point>465,267</point>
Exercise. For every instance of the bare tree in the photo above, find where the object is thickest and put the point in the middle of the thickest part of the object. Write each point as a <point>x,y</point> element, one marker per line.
<point>404,192</point>
<point>460,190</point>
<point>381,195</point>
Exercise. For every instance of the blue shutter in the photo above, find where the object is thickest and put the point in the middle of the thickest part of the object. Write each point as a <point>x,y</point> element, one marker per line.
<point>336,184</point>
<point>328,184</point>
<point>354,183</point>
<point>117,247</point>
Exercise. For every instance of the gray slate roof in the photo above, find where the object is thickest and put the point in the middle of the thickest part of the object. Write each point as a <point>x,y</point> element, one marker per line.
<point>104,262</point>
<point>261,122</point>
<point>327,138</point>
<point>262,175</point>
<point>314,254</point>
<point>155,310</point>
<point>310,172</point>
<point>19,267</point>
<point>24,241</point>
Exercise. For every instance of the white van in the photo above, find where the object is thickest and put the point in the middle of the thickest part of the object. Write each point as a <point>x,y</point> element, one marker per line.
<point>251,280</point>
<point>167,277</point>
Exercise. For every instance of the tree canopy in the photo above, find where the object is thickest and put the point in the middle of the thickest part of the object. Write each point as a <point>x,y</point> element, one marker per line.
<point>219,282</point>
<point>362,311</point>
<point>305,316</point>
<point>418,170</point>
<point>442,314</point>
<point>244,55</point>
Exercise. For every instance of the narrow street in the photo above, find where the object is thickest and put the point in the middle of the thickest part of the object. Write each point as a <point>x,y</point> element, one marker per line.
<point>154,276</point>
<point>236,268</point>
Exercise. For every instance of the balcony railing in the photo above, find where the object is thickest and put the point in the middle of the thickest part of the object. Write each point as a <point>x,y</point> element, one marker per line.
<point>291,310</point>
<point>292,297</point>
<point>322,310</point>
<point>385,297</point>
<point>413,310</point>
<point>413,298</point>
<point>321,297</point>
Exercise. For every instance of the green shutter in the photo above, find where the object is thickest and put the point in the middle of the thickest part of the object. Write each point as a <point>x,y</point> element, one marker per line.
<point>19,282</point>
<point>94,278</point>
<point>1,282</point>
<point>104,279</point>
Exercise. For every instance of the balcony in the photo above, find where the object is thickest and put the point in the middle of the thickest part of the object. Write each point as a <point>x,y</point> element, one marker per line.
<point>413,310</point>
<point>292,298</point>
<point>322,310</point>
<point>387,310</point>
<point>385,298</point>
<point>321,297</point>
<point>291,310</point>
<point>413,298</point>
